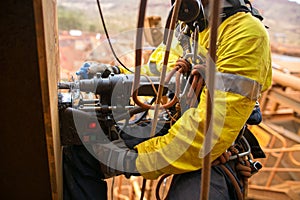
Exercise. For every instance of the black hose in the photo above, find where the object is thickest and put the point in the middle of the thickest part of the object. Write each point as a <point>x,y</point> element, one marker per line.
<point>108,39</point>
<point>160,181</point>
<point>143,189</point>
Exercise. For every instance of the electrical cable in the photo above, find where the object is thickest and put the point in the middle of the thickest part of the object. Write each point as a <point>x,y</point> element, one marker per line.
<point>112,188</point>
<point>143,189</point>
<point>159,183</point>
<point>108,38</point>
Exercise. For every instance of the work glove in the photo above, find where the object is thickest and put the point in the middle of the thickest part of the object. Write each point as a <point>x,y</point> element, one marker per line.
<point>82,73</point>
<point>116,158</point>
<point>90,69</point>
<point>134,135</point>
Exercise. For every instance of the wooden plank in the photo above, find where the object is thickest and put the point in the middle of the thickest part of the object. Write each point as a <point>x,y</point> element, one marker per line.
<point>24,155</point>
<point>260,193</point>
<point>282,98</point>
<point>47,46</point>
<point>286,133</point>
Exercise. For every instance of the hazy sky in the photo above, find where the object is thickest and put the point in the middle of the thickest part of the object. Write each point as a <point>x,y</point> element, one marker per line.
<point>298,1</point>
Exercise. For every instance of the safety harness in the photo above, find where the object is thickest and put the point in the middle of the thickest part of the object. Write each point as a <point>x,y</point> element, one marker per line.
<point>246,142</point>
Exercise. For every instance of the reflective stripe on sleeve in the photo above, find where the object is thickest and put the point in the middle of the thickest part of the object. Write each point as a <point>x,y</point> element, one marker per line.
<point>238,84</point>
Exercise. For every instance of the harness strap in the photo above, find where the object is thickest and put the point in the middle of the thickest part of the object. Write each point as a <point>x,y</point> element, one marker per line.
<point>240,6</point>
<point>229,11</point>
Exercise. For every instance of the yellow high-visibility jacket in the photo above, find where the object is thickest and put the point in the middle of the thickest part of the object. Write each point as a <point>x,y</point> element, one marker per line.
<point>155,63</point>
<point>243,50</point>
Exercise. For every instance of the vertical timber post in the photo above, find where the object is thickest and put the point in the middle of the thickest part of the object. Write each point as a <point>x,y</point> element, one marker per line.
<point>30,142</point>
<point>47,46</point>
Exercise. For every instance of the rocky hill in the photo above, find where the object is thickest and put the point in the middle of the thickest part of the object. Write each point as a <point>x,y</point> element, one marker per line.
<point>281,16</point>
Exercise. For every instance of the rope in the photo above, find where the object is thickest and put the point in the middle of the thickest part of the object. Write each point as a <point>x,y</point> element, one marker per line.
<point>214,22</point>
<point>234,182</point>
<point>138,58</point>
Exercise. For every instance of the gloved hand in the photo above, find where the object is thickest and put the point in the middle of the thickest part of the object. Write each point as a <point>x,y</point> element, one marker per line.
<point>134,135</point>
<point>116,159</point>
<point>89,69</point>
<point>83,71</point>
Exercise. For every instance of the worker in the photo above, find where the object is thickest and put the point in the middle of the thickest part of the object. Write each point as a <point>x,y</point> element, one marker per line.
<point>244,64</point>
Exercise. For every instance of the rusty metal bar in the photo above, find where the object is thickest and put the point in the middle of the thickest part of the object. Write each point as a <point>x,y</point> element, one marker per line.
<point>279,156</point>
<point>285,79</point>
<point>273,169</point>
<point>284,98</point>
